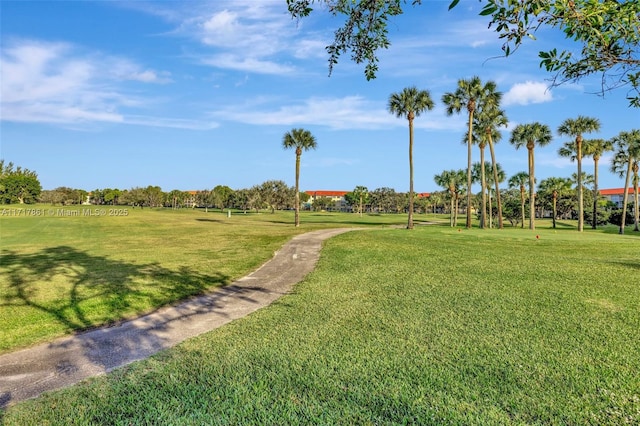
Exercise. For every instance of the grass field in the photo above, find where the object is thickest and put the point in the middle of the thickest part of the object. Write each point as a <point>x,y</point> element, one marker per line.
<point>432,326</point>
<point>67,269</point>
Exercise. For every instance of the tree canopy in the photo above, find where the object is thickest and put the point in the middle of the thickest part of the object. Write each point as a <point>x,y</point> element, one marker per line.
<point>18,185</point>
<point>607,34</point>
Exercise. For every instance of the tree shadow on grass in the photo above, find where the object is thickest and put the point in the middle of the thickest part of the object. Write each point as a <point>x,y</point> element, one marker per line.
<point>87,290</point>
<point>116,288</point>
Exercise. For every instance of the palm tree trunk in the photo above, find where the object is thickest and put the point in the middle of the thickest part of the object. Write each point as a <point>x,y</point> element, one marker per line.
<point>455,211</point>
<point>625,198</point>
<point>483,183</point>
<point>452,221</point>
<point>555,209</point>
<point>522,206</point>
<point>468,225</point>
<point>410,220</point>
<point>297,214</point>
<point>580,195</point>
<point>532,192</point>
<point>636,214</point>
<point>496,183</point>
<point>594,221</point>
<point>490,208</point>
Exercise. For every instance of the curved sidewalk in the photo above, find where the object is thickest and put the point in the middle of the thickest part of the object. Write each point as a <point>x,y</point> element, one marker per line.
<point>28,373</point>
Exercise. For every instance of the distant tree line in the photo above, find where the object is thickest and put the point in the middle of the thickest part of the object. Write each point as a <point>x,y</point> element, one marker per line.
<point>556,198</point>
<point>272,195</point>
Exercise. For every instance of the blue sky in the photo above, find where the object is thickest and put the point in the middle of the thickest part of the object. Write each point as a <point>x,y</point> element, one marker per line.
<point>189,95</point>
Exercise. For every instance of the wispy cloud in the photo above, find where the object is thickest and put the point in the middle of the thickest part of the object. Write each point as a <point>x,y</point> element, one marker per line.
<point>55,82</point>
<point>349,112</point>
<point>255,37</point>
<point>337,113</point>
<point>529,92</point>
<point>173,123</point>
<point>247,64</point>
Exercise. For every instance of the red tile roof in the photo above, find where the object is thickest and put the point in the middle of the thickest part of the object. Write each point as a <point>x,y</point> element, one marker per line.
<point>323,193</point>
<point>615,191</point>
<point>327,193</point>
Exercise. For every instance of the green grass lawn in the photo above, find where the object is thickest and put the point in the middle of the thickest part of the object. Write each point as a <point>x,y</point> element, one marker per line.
<point>432,326</point>
<point>64,269</point>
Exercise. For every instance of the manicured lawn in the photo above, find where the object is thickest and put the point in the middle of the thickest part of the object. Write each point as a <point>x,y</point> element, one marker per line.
<point>66,269</point>
<point>433,326</point>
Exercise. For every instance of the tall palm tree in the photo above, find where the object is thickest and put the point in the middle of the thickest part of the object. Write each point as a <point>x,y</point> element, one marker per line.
<point>488,119</point>
<point>557,187</point>
<point>627,157</point>
<point>492,119</point>
<point>595,148</point>
<point>576,128</point>
<point>451,180</point>
<point>490,180</point>
<point>519,180</point>
<point>470,94</point>
<point>410,103</point>
<point>300,140</point>
<point>530,135</point>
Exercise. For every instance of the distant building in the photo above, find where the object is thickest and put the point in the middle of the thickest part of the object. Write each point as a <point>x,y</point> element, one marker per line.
<point>339,202</point>
<point>616,195</point>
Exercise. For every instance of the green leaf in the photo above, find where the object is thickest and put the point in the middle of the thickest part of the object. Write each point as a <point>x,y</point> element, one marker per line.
<point>488,9</point>
<point>453,4</point>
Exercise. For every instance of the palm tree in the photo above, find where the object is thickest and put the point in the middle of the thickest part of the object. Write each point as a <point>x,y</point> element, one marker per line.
<point>585,180</point>
<point>488,119</point>
<point>627,157</point>
<point>361,193</point>
<point>300,139</point>
<point>435,198</point>
<point>472,95</point>
<point>519,180</point>
<point>492,119</point>
<point>576,128</point>
<point>595,148</point>
<point>490,179</point>
<point>556,187</point>
<point>451,180</point>
<point>410,103</point>
<point>478,175</point>
<point>530,135</point>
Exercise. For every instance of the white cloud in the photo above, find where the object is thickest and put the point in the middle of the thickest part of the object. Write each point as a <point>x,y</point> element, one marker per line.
<point>174,123</point>
<point>349,112</point>
<point>310,48</point>
<point>529,92</point>
<point>121,69</point>
<point>49,82</point>
<point>247,64</point>
<point>248,36</point>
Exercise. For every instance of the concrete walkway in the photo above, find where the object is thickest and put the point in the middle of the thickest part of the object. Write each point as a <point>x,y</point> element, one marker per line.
<point>28,373</point>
